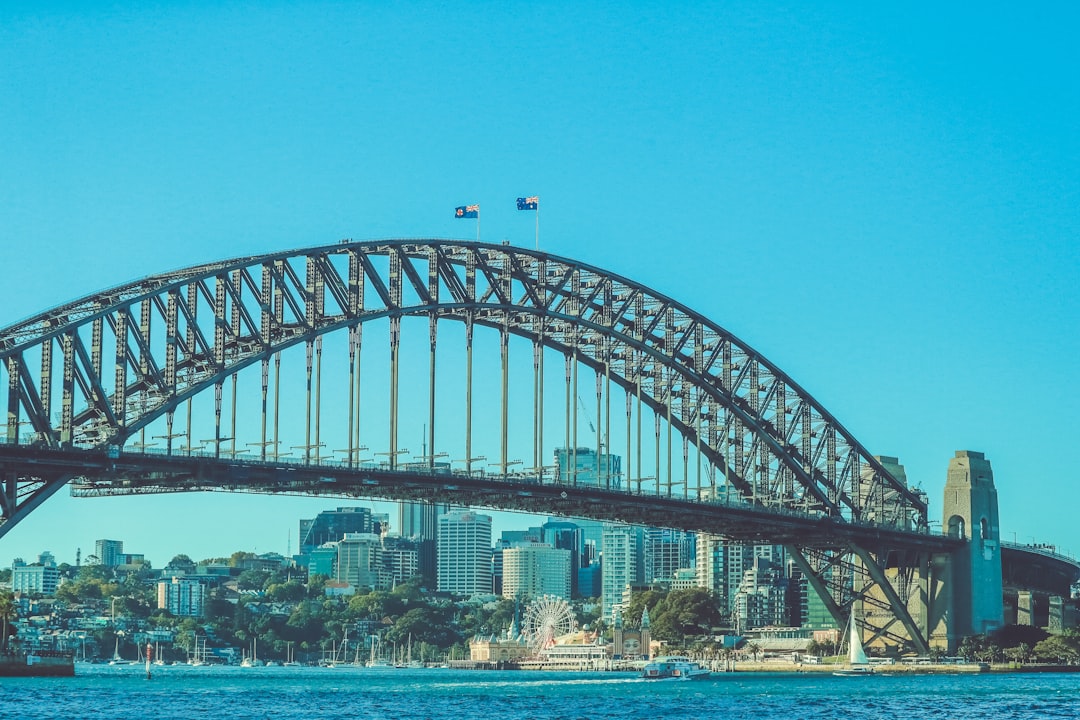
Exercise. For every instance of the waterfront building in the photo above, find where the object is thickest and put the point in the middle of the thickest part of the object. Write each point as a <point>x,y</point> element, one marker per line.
<point>464,553</point>
<point>533,570</point>
<point>506,647</point>
<point>359,562</point>
<point>108,552</point>
<point>182,596</point>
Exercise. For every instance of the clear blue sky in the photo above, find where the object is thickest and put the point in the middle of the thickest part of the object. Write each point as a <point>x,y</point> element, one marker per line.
<point>884,199</point>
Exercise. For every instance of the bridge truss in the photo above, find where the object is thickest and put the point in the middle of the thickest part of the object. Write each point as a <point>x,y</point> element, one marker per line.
<point>93,376</point>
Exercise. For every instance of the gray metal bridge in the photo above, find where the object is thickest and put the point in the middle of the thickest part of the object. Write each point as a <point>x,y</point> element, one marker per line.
<point>732,445</point>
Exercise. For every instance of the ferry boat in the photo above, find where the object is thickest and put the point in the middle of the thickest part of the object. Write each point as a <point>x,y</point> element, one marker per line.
<point>674,667</point>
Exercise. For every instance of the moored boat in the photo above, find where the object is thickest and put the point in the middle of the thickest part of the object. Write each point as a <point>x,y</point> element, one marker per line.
<point>674,667</point>
<point>41,663</point>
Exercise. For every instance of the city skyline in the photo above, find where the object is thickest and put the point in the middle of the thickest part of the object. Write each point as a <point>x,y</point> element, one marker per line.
<point>879,200</point>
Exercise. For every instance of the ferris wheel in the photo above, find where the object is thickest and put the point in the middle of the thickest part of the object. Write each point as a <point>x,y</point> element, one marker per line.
<point>547,618</point>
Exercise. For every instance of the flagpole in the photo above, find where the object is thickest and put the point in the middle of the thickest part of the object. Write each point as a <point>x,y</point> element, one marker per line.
<point>478,224</point>
<point>538,225</point>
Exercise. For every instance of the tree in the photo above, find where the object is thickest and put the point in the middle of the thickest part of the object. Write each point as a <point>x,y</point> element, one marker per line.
<point>252,579</point>
<point>424,625</point>
<point>688,612</point>
<point>239,556</point>
<point>7,612</point>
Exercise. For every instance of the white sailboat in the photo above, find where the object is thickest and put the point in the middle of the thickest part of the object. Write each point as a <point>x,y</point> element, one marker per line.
<point>857,661</point>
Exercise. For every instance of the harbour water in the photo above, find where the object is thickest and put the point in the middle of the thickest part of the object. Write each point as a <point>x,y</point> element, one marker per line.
<point>101,691</point>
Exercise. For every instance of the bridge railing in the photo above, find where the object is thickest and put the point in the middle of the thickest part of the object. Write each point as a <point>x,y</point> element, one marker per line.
<point>1044,549</point>
<point>547,476</point>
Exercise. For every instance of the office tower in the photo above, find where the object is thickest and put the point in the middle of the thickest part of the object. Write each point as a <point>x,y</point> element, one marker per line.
<point>533,570</point>
<point>581,467</point>
<point>109,551</point>
<point>667,551</point>
<point>464,553</point>
<point>420,522</point>
<point>567,536</point>
<point>332,525</point>
<point>359,562</point>
<point>401,558</point>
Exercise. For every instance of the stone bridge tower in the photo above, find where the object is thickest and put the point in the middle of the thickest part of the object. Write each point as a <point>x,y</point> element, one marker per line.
<point>969,601</point>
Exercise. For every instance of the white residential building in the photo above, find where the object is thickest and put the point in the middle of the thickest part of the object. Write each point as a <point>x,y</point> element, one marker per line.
<point>622,562</point>
<point>182,596</point>
<point>41,577</point>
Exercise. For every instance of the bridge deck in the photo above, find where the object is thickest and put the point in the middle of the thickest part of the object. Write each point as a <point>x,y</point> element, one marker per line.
<point>99,473</point>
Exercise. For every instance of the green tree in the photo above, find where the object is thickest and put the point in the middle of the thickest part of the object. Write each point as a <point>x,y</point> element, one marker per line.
<point>7,614</point>
<point>252,579</point>
<point>689,612</point>
<point>239,556</point>
<point>425,625</point>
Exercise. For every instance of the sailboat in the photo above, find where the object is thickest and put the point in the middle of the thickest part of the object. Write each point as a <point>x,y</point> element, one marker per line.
<point>858,665</point>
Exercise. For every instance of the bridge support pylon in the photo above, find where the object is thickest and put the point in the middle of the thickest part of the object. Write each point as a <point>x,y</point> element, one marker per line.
<point>968,598</point>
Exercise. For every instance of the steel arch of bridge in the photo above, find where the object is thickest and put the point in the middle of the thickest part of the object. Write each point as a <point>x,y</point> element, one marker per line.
<point>770,440</point>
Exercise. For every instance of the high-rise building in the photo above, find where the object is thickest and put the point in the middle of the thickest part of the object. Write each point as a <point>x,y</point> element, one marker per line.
<point>401,558</point>
<point>567,536</point>
<point>182,596</point>
<point>420,522</point>
<point>622,564</point>
<point>582,467</point>
<point>667,551</point>
<point>323,560</point>
<point>360,563</point>
<point>464,553</point>
<point>759,601</point>
<point>109,551</point>
<point>332,525</point>
<point>509,538</point>
<point>723,566</point>
<point>533,570</point>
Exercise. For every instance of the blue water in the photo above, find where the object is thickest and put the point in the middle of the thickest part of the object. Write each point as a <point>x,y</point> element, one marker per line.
<point>101,691</point>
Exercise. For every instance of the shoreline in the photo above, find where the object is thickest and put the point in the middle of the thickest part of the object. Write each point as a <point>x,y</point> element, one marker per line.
<point>806,668</point>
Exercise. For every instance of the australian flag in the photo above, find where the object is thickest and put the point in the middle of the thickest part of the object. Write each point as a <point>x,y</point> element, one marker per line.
<point>528,203</point>
<point>467,211</point>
